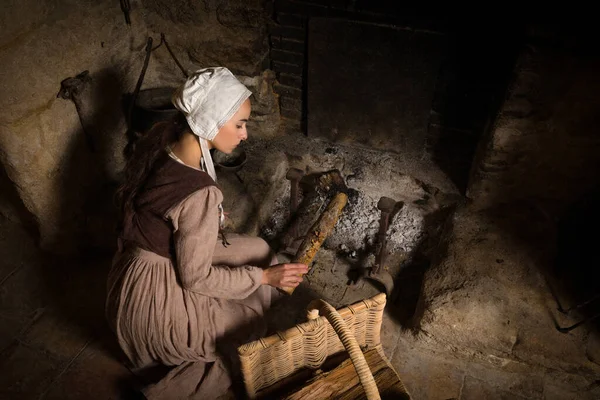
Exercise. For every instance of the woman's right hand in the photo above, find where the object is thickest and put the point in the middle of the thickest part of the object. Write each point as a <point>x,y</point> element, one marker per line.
<point>284,275</point>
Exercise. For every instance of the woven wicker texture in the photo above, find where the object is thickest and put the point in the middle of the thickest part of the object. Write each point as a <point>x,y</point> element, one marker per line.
<point>351,346</point>
<point>307,345</point>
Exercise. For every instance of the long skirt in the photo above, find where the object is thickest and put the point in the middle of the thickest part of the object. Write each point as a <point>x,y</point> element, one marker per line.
<point>157,322</point>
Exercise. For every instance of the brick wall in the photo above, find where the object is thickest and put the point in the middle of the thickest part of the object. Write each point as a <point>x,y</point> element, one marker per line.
<point>288,38</point>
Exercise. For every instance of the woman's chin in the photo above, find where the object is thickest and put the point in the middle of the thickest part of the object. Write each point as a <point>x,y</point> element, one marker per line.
<point>225,151</point>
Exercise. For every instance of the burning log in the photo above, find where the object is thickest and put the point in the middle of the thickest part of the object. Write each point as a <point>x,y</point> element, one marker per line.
<point>322,187</point>
<point>320,231</point>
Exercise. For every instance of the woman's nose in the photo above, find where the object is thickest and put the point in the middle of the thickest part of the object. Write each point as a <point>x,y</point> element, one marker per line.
<point>244,134</point>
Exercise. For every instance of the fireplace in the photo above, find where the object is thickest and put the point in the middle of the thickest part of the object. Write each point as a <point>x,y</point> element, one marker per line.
<point>378,75</point>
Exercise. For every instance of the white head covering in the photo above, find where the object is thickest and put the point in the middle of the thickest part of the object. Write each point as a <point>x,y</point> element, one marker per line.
<point>208,99</point>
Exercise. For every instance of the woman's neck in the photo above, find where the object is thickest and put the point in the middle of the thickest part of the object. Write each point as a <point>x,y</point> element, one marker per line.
<point>188,150</point>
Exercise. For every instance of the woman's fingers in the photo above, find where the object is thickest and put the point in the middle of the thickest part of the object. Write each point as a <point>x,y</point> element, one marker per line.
<point>294,279</point>
<point>285,275</point>
<point>296,268</point>
<point>292,275</point>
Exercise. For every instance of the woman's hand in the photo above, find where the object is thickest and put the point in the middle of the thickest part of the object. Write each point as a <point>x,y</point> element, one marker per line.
<point>284,275</point>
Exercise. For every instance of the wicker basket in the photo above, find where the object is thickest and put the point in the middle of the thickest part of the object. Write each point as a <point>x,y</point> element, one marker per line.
<point>293,355</point>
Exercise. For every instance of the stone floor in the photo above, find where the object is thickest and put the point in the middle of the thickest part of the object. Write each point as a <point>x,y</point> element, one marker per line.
<point>53,339</point>
<point>486,327</point>
<point>55,344</point>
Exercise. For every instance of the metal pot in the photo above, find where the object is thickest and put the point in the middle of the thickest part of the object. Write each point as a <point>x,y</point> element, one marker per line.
<point>152,106</point>
<point>230,162</point>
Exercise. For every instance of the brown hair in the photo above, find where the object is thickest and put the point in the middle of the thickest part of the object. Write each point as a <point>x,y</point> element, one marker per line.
<point>144,151</point>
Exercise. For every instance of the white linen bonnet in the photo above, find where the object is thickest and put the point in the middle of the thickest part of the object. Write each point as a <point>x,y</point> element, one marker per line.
<point>208,99</point>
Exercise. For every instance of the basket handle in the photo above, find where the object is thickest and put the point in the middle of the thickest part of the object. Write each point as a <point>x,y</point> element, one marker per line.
<point>351,345</point>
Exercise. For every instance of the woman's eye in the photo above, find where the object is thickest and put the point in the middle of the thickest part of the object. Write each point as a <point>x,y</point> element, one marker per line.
<point>239,126</point>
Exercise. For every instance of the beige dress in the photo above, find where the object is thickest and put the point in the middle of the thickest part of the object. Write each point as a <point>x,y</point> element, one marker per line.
<point>194,314</point>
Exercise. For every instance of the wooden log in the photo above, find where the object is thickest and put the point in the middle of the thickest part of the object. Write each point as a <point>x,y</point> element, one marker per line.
<point>342,383</point>
<point>319,232</point>
<point>322,188</point>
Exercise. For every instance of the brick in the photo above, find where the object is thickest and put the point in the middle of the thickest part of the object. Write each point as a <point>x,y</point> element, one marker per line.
<point>297,46</point>
<point>288,91</point>
<point>269,7</point>
<point>435,117</point>
<point>287,57</point>
<point>381,7</point>
<point>279,66</point>
<point>394,13</point>
<point>275,41</point>
<point>291,80</point>
<point>342,13</point>
<point>366,17</point>
<point>290,103</point>
<point>293,20</point>
<point>288,32</point>
<point>343,4</point>
<point>324,3</point>
<point>284,43</point>
<point>302,8</point>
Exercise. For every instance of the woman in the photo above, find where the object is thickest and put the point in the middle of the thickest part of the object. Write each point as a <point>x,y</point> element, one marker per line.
<point>178,287</point>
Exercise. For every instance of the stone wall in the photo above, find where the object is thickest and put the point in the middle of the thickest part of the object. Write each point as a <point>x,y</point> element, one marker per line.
<point>228,33</point>
<point>543,146</point>
<point>42,144</point>
<point>65,186</point>
<point>208,33</point>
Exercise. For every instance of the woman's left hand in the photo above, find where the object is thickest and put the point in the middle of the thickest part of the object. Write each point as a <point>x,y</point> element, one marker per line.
<point>284,275</point>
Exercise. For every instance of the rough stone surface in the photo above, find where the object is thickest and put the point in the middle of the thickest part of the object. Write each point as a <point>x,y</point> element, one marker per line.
<point>64,186</point>
<point>475,389</point>
<point>544,144</point>
<point>465,293</point>
<point>210,33</point>
<point>97,373</point>
<point>53,334</point>
<point>485,299</point>
<point>26,373</point>
<point>264,120</point>
<point>444,377</point>
<point>593,347</point>
<point>23,295</point>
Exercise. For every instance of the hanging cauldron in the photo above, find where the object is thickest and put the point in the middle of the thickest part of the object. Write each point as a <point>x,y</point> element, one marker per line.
<point>152,106</point>
<point>144,108</point>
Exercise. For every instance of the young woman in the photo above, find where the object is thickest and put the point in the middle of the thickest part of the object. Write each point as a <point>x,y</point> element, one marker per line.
<point>178,286</point>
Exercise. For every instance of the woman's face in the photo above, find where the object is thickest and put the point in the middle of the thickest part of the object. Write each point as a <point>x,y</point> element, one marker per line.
<point>234,131</point>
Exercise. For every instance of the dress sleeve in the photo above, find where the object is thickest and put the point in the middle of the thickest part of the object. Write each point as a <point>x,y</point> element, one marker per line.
<point>196,228</point>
